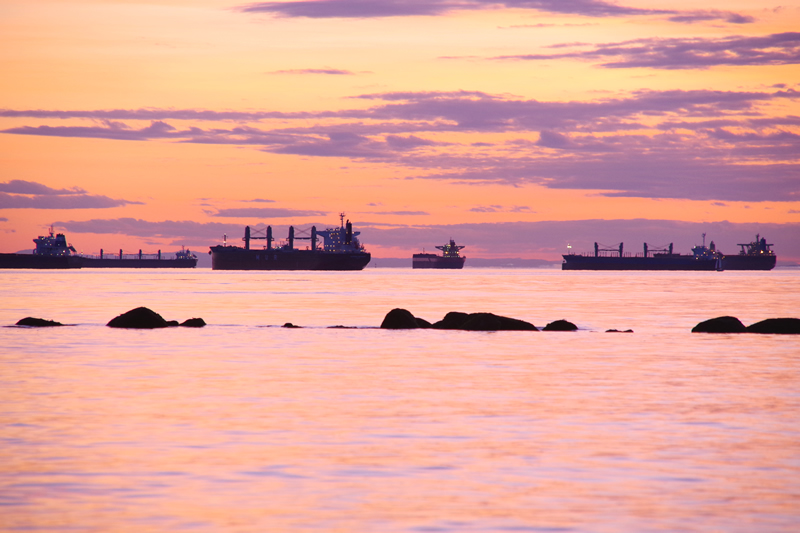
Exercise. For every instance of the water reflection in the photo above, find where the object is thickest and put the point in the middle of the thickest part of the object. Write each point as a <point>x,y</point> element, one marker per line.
<point>239,427</point>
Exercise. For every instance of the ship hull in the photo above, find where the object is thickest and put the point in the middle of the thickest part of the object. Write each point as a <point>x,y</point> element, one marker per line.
<point>236,258</point>
<point>90,262</point>
<point>748,262</point>
<point>48,262</point>
<point>670,262</point>
<point>436,261</point>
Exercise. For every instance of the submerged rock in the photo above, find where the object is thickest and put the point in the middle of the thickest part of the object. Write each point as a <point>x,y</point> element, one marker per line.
<point>38,322</point>
<point>722,324</point>
<point>139,318</point>
<point>193,323</point>
<point>290,325</point>
<point>403,319</point>
<point>619,331</point>
<point>560,325</point>
<point>783,326</point>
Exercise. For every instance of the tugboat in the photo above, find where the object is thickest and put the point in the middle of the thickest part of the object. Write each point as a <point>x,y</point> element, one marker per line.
<point>340,250</point>
<point>450,258</point>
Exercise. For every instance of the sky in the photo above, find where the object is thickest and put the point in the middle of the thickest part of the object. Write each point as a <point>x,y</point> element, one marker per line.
<point>515,127</point>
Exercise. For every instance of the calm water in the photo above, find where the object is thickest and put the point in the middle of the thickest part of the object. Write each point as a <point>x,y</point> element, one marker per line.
<point>244,426</point>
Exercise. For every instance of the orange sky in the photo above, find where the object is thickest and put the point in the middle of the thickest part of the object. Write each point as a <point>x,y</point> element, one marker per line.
<point>133,124</point>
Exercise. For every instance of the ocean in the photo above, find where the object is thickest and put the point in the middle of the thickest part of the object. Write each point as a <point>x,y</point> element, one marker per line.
<point>246,426</point>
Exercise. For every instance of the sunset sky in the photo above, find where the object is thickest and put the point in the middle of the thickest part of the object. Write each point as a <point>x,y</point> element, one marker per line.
<point>514,127</point>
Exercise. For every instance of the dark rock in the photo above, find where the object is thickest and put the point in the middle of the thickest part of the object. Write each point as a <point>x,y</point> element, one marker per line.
<point>290,325</point>
<point>783,326</point>
<point>452,320</point>
<point>722,324</point>
<point>422,323</point>
<point>560,325</point>
<point>193,323</point>
<point>139,318</point>
<point>38,322</point>
<point>618,331</point>
<point>172,324</point>
<point>342,327</point>
<point>402,319</point>
<point>492,322</point>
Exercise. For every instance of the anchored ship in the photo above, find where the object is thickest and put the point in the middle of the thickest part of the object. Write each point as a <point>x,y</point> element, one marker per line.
<point>340,250</point>
<point>53,252</point>
<point>182,259</point>
<point>756,255</point>
<point>450,257</point>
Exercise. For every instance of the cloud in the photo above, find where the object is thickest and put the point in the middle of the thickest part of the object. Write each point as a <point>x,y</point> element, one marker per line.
<point>20,194</point>
<point>266,212</point>
<point>408,8</point>
<point>110,130</point>
<point>152,114</point>
<point>329,71</point>
<point>501,209</point>
<point>31,187</point>
<point>401,213</point>
<point>411,142</point>
<point>364,9</point>
<point>691,17</point>
<point>695,144</point>
<point>684,53</point>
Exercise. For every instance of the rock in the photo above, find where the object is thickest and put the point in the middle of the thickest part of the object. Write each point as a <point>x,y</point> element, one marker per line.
<point>422,323</point>
<point>618,331</point>
<point>482,322</point>
<point>38,322</point>
<point>290,325</point>
<point>560,325</point>
<point>403,319</point>
<point>452,320</point>
<point>172,324</point>
<point>193,323</point>
<point>722,324</point>
<point>784,326</point>
<point>139,318</point>
<point>492,322</point>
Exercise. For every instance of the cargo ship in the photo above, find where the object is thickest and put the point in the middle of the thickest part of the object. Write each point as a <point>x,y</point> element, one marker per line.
<point>756,255</point>
<point>450,258</point>
<point>53,252</point>
<point>339,250</point>
<point>182,259</point>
